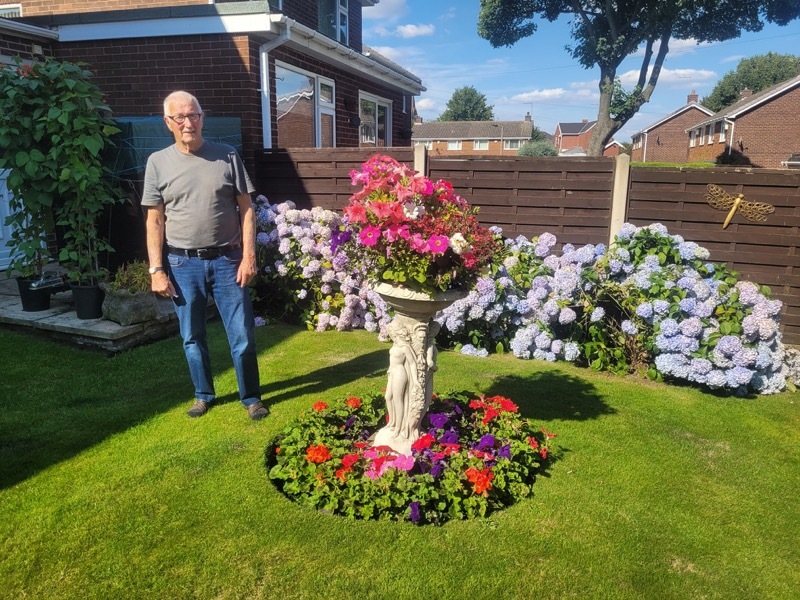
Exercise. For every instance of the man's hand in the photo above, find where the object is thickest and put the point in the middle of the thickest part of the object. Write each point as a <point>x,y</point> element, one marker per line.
<point>247,270</point>
<point>162,285</point>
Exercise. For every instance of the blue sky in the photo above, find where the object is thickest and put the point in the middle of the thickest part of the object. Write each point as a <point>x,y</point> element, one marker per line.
<point>437,40</point>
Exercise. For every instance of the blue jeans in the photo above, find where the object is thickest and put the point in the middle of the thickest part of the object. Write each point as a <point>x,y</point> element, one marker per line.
<point>194,279</point>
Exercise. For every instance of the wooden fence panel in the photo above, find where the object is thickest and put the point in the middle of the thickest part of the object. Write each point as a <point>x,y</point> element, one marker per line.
<point>766,253</point>
<point>568,197</point>
<point>315,176</point>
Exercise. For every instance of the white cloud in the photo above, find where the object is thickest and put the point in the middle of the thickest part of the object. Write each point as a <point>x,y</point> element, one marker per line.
<point>425,104</point>
<point>735,58</point>
<point>675,78</point>
<point>676,47</point>
<point>412,31</point>
<point>534,95</point>
<point>385,10</point>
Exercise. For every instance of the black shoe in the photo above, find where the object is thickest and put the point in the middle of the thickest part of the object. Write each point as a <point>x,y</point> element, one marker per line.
<point>199,408</point>
<point>257,411</point>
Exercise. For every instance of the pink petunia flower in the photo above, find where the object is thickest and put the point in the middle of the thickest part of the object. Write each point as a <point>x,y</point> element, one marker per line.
<point>438,244</point>
<point>370,235</point>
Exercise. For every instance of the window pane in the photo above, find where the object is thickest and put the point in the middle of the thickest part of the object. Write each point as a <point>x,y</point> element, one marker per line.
<point>480,145</point>
<point>327,13</point>
<point>367,116</point>
<point>294,94</point>
<point>326,130</point>
<point>343,28</point>
<point>326,93</point>
<point>382,126</point>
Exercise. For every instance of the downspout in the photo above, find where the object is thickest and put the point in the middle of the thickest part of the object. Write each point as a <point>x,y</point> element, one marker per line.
<point>263,51</point>
<point>731,138</point>
<point>644,150</point>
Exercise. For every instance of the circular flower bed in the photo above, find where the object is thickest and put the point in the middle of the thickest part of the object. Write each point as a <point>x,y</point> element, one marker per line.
<point>477,455</point>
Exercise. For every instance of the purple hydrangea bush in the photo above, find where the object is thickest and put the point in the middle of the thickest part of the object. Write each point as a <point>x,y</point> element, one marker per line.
<point>652,303</point>
<point>304,278</point>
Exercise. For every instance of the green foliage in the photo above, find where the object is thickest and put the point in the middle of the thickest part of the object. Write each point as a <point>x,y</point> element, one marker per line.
<point>133,278</point>
<point>756,73</point>
<point>53,131</point>
<point>467,104</point>
<point>538,148</point>
<point>324,460</point>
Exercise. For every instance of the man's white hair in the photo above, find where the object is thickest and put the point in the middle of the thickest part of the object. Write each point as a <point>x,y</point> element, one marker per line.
<point>180,95</point>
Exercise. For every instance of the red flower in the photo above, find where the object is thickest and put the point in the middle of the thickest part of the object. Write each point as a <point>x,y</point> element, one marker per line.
<point>480,480</point>
<point>320,406</point>
<point>533,442</point>
<point>543,452</point>
<point>360,445</point>
<point>353,402</point>
<point>424,442</point>
<point>348,460</point>
<point>341,473</point>
<point>278,450</point>
<point>318,454</point>
<point>491,413</point>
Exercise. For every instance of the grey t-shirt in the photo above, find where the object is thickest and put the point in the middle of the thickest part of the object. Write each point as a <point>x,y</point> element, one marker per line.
<point>199,193</point>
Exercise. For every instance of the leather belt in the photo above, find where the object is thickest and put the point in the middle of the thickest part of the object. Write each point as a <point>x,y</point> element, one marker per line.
<point>204,253</point>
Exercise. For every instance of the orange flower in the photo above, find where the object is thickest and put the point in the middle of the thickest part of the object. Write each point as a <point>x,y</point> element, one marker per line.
<point>353,402</point>
<point>320,406</point>
<point>318,454</point>
<point>480,480</point>
<point>341,473</point>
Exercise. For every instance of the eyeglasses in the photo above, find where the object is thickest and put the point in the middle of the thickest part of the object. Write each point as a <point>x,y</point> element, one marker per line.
<point>180,119</point>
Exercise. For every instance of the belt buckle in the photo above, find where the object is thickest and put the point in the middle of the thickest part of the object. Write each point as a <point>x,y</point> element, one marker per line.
<point>206,252</point>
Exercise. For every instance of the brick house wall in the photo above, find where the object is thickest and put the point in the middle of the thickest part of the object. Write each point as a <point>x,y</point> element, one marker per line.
<point>703,150</point>
<point>571,141</point>
<point>13,45</point>
<point>669,142</point>
<point>761,137</point>
<point>439,148</point>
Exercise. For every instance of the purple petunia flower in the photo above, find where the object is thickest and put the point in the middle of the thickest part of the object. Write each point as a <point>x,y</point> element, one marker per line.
<point>438,420</point>
<point>449,437</point>
<point>414,513</point>
<point>436,470</point>
<point>504,452</point>
<point>486,442</point>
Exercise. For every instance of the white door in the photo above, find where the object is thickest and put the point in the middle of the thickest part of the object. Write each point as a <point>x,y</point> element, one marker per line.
<point>5,232</point>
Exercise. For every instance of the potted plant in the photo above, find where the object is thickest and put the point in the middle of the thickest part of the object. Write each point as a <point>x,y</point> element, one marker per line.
<point>128,299</point>
<point>23,148</point>
<point>54,126</point>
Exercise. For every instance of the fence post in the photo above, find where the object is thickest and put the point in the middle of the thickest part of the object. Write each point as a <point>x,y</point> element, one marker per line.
<point>619,195</point>
<point>421,159</point>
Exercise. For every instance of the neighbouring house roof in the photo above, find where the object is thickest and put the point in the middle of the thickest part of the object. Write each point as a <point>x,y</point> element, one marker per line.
<point>575,128</point>
<point>749,103</point>
<point>246,18</point>
<point>576,151</point>
<point>674,114</point>
<point>472,130</point>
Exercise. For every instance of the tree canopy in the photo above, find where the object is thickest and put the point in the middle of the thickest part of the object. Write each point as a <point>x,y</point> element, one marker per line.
<point>467,104</point>
<point>756,73</point>
<point>606,32</point>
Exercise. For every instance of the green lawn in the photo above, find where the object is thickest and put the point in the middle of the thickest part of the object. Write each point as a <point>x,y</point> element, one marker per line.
<point>108,490</point>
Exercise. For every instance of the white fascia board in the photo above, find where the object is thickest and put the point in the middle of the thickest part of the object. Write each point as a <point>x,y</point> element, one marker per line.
<point>166,27</point>
<point>27,31</point>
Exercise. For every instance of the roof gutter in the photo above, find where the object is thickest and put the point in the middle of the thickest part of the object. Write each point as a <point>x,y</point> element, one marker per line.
<point>28,31</point>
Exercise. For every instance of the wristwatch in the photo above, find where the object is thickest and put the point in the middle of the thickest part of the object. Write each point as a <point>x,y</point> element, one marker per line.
<point>152,270</point>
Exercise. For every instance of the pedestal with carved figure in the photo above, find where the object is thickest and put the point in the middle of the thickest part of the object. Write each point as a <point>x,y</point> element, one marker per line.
<point>412,361</point>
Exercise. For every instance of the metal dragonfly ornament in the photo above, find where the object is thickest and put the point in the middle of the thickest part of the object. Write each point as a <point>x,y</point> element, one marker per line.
<point>722,200</point>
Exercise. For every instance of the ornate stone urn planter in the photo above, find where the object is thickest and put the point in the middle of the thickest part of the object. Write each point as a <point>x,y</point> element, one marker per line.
<point>412,361</point>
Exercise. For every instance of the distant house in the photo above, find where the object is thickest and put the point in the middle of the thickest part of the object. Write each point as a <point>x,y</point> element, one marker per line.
<point>572,139</point>
<point>493,138</point>
<point>665,140</point>
<point>573,135</point>
<point>762,130</point>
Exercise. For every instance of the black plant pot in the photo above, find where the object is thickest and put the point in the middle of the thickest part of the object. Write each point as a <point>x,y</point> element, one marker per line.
<point>32,300</point>
<point>88,301</point>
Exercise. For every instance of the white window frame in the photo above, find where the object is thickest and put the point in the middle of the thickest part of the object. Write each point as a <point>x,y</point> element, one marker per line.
<point>10,11</point>
<point>710,133</point>
<point>692,138</point>
<point>341,28</point>
<point>453,145</point>
<point>512,144</point>
<point>428,145</point>
<point>480,145</point>
<point>700,137</point>
<point>723,132</point>
<point>320,107</point>
<point>378,101</point>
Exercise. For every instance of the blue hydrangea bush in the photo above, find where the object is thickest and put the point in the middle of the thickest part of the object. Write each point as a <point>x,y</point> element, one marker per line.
<point>651,304</point>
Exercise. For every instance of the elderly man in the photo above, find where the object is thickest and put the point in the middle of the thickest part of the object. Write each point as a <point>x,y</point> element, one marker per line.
<point>197,194</point>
